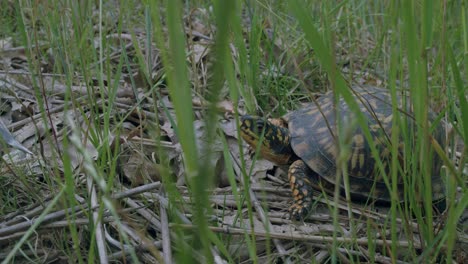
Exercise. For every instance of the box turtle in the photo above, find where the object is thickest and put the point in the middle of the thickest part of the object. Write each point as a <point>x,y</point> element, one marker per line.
<point>305,141</point>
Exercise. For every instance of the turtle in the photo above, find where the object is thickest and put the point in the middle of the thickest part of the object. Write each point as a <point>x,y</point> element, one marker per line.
<point>305,143</point>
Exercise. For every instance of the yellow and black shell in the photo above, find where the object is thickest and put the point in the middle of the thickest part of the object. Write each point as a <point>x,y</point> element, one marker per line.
<point>314,129</point>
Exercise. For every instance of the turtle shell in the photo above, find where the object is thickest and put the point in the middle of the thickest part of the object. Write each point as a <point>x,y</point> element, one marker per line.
<point>314,139</point>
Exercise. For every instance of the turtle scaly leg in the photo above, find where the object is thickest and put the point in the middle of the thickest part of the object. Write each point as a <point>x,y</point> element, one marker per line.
<point>300,176</point>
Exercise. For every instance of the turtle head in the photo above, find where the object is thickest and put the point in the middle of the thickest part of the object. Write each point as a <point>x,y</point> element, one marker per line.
<point>273,135</point>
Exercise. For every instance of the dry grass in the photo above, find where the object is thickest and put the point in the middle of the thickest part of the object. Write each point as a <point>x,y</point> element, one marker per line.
<point>86,90</point>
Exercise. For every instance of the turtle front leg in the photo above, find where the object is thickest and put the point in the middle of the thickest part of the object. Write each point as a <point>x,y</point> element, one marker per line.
<point>300,176</point>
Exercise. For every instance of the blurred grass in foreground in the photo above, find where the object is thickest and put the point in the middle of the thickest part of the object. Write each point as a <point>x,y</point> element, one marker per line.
<point>419,46</point>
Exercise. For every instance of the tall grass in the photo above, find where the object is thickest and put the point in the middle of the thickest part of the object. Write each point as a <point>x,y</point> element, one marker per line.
<point>416,46</point>
<point>413,27</point>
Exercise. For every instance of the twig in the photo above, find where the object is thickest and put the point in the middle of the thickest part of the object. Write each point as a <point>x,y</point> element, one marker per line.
<point>258,207</point>
<point>165,234</point>
<point>299,237</point>
<point>97,222</point>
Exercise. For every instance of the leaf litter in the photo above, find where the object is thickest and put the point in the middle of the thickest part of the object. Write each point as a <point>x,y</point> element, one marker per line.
<point>140,204</point>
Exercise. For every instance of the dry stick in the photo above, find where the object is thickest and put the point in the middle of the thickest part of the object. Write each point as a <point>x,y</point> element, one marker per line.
<point>258,207</point>
<point>322,255</point>
<point>123,194</point>
<point>79,209</point>
<point>78,222</point>
<point>4,232</point>
<point>152,246</point>
<point>359,210</point>
<point>165,234</point>
<point>97,222</point>
<point>34,210</point>
<point>116,243</point>
<point>363,211</point>
<point>377,257</point>
<point>151,217</point>
<point>341,257</point>
<point>138,190</point>
<point>48,218</point>
<point>146,214</point>
<point>11,238</point>
<point>127,251</point>
<point>148,245</point>
<point>298,237</point>
<point>46,255</point>
<point>138,239</point>
<point>36,117</point>
<point>4,74</point>
<point>164,202</point>
<point>44,228</point>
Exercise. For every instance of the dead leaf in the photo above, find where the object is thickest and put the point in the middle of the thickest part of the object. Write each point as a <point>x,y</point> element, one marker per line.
<point>199,52</point>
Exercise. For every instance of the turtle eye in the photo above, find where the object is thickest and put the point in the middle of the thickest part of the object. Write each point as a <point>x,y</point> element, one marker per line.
<point>260,124</point>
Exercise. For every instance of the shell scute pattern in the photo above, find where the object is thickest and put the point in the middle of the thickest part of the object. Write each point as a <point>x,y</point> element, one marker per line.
<point>308,143</point>
<point>313,133</point>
